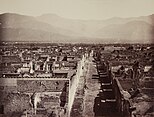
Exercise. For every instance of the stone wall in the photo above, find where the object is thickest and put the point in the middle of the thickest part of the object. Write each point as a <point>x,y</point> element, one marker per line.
<point>52,94</point>
<point>122,103</point>
<point>16,103</point>
<point>30,86</point>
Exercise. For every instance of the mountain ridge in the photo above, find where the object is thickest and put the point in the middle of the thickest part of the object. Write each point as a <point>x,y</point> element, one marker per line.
<point>136,29</point>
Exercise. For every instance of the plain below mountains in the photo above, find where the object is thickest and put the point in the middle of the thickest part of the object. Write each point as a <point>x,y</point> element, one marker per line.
<point>53,28</point>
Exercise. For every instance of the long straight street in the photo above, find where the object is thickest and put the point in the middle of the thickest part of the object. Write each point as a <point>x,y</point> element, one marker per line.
<point>92,87</point>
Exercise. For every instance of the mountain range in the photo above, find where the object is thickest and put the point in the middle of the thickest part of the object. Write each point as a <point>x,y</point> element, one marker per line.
<point>53,28</point>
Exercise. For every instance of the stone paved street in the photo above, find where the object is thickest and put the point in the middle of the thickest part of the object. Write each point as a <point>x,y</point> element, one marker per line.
<point>91,90</point>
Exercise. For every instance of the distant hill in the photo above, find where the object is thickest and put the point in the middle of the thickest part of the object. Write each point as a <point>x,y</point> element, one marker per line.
<point>53,28</point>
<point>138,31</point>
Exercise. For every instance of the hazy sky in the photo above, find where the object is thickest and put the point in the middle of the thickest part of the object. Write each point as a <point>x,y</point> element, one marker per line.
<point>80,9</point>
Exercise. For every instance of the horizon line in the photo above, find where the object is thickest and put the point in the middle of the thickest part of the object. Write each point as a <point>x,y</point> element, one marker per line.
<point>1,13</point>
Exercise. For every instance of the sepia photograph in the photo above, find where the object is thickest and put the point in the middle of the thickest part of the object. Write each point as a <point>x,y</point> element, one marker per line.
<point>76,58</point>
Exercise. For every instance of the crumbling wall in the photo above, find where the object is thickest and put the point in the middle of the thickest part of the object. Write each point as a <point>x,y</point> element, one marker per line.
<point>16,103</point>
<point>31,86</point>
<point>50,92</point>
<point>123,105</point>
<point>126,84</point>
<point>8,89</point>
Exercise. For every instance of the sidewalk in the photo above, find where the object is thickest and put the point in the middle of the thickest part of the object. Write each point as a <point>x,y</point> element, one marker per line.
<point>91,91</point>
<point>77,108</point>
